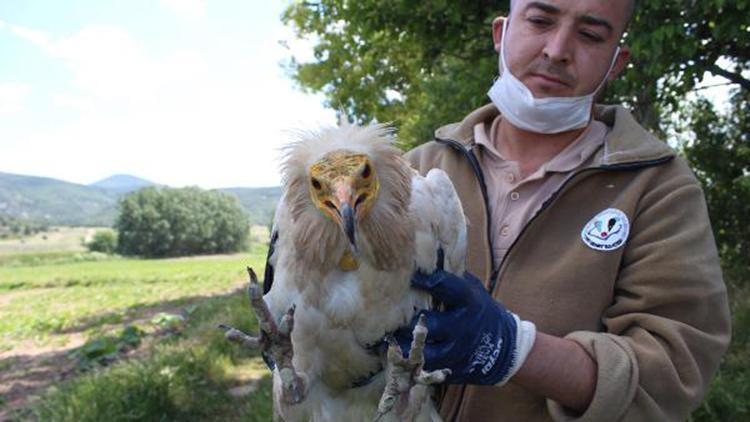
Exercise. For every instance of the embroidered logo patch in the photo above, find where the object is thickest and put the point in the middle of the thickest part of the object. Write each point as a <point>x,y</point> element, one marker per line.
<point>607,231</point>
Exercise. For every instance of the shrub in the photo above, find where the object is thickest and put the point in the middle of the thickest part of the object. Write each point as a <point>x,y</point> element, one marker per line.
<point>178,222</point>
<point>104,241</point>
<point>13,227</point>
<point>171,385</point>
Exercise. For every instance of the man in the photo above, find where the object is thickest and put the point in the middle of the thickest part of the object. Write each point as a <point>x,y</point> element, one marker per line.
<point>601,296</point>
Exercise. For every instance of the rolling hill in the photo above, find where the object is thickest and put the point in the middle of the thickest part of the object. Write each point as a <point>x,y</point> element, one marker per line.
<point>56,202</point>
<point>122,183</point>
<point>260,203</point>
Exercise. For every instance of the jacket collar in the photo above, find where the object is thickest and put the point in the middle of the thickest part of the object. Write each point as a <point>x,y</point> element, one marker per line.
<point>627,141</point>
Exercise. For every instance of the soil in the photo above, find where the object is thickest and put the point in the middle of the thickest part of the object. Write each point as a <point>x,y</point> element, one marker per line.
<point>29,369</point>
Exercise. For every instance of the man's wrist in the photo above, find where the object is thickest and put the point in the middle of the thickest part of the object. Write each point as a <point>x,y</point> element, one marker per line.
<point>561,370</point>
<point>525,337</point>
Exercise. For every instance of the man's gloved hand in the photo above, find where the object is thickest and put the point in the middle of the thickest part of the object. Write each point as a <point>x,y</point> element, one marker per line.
<point>475,337</point>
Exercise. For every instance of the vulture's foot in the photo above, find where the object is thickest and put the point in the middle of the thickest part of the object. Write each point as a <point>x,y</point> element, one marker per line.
<point>407,383</point>
<point>275,341</point>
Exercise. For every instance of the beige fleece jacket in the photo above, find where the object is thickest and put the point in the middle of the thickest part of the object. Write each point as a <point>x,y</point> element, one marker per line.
<point>653,312</point>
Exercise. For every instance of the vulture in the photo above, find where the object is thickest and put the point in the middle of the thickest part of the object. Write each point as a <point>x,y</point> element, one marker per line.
<point>353,225</point>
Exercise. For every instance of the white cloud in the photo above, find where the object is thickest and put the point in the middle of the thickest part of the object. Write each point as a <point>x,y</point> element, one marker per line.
<point>12,96</point>
<point>179,119</point>
<point>107,63</point>
<point>73,101</point>
<point>188,9</point>
<point>2,24</point>
<point>38,38</point>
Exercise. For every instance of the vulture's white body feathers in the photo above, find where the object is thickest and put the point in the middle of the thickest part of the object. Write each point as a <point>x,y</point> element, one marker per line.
<point>341,314</point>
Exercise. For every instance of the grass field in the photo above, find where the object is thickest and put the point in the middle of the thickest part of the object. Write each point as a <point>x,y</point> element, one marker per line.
<point>102,337</point>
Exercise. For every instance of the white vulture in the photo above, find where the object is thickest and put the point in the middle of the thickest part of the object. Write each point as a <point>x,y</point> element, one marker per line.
<point>354,223</point>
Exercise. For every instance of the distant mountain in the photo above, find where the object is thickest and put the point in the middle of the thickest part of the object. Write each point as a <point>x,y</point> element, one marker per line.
<point>55,202</point>
<point>260,203</point>
<point>122,183</point>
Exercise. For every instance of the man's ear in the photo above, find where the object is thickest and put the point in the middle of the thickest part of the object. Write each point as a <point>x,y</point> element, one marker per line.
<point>622,60</point>
<point>497,32</point>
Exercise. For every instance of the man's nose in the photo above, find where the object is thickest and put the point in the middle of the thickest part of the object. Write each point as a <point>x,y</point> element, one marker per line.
<point>559,46</point>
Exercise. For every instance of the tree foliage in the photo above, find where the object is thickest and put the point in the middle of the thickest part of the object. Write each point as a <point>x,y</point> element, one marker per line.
<point>15,227</point>
<point>104,241</point>
<point>177,222</point>
<point>421,64</point>
<point>720,156</point>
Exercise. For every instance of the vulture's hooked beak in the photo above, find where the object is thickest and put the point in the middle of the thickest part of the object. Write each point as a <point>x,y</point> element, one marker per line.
<point>347,212</point>
<point>348,219</point>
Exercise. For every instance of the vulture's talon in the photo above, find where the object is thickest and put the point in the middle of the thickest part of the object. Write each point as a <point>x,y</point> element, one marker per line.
<point>275,340</point>
<point>406,391</point>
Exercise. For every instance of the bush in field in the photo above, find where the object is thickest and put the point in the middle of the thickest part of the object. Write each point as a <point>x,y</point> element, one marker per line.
<point>13,227</point>
<point>104,241</point>
<point>178,222</point>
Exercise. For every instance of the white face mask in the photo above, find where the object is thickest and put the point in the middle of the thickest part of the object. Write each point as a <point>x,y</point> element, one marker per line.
<point>540,115</point>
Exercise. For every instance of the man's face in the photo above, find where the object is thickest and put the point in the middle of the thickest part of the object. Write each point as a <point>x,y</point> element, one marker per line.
<point>563,48</point>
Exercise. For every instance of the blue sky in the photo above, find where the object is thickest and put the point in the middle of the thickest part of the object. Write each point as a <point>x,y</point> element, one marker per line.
<point>181,92</point>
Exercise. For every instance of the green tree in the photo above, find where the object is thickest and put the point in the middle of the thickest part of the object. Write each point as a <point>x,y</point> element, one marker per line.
<point>719,152</point>
<point>177,222</point>
<point>15,227</point>
<point>420,64</point>
<point>720,156</point>
<point>104,241</point>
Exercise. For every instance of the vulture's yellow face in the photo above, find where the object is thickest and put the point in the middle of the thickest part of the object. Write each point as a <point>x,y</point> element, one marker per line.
<point>344,186</point>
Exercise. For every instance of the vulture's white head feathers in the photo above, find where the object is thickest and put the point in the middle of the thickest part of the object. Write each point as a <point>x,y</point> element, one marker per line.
<point>349,189</point>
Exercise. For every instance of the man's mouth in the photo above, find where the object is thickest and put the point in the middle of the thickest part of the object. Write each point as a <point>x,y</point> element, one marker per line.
<point>549,79</point>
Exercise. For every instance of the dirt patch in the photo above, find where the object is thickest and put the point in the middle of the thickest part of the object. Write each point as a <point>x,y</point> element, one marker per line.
<point>29,369</point>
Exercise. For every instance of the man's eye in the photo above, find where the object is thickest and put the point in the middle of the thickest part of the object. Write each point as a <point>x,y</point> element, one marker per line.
<point>539,21</point>
<point>592,36</point>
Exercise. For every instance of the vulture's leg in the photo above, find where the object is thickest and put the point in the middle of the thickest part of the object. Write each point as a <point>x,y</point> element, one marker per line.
<point>407,383</point>
<point>275,340</point>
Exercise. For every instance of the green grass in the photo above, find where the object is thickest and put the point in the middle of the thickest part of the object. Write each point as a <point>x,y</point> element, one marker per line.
<point>181,371</point>
<point>183,376</point>
<point>729,396</point>
<point>29,259</point>
<point>45,299</point>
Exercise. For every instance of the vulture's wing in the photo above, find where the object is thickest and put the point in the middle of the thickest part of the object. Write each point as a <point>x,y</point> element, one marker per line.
<point>278,291</point>
<point>272,257</point>
<point>440,223</point>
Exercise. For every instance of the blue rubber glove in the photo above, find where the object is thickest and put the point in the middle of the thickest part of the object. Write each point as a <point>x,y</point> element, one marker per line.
<point>474,336</point>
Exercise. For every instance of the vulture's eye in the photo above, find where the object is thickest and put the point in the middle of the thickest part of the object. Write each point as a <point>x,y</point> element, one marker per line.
<point>316,184</point>
<point>366,171</point>
<point>360,200</point>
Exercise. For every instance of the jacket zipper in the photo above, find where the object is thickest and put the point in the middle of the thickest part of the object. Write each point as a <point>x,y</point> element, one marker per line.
<point>469,155</point>
<point>616,167</point>
<point>495,273</point>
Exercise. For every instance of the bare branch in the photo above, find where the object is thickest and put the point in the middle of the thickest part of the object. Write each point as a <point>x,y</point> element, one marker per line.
<point>734,77</point>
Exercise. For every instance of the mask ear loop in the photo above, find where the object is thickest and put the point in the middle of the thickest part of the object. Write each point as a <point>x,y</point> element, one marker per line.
<point>606,75</point>
<point>502,46</point>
